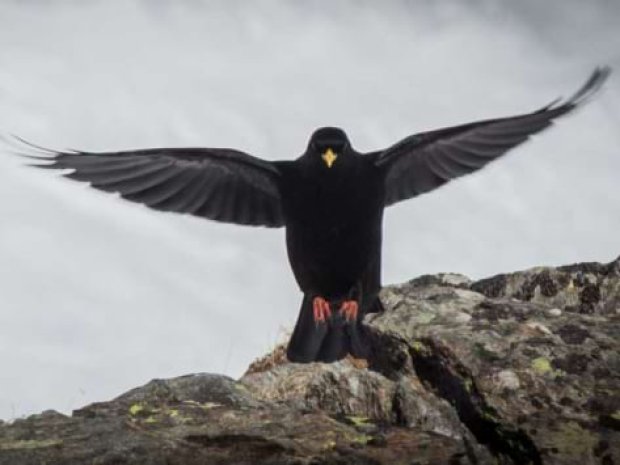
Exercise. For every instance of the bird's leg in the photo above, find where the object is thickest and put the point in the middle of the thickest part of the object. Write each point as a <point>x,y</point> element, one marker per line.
<point>320,310</point>
<point>349,309</point>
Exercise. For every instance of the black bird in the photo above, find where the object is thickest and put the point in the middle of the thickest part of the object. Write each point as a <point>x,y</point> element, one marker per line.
<point>330,200</point>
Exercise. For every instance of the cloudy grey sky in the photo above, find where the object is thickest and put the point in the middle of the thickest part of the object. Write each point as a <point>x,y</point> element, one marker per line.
<point>98,295</point>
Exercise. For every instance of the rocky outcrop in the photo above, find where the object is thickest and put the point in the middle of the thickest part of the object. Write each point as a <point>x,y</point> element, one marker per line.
<point>522,368</point>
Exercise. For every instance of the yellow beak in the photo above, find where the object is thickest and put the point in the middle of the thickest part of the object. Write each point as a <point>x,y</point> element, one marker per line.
<point>329,157</point>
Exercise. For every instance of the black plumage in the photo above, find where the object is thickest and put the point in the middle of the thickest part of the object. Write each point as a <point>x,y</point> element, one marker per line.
<point>330,200</point>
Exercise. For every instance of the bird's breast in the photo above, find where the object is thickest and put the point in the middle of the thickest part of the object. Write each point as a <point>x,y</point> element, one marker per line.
<point>332,228</point>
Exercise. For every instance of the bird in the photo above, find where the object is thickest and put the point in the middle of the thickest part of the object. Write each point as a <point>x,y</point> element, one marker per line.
<point>330,200</point>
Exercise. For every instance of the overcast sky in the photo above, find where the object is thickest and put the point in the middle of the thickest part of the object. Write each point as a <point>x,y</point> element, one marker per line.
<point>98,295</point>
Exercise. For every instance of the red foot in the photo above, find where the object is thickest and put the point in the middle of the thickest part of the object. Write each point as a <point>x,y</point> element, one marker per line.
<point>320,309</point>
<point>349,310</point>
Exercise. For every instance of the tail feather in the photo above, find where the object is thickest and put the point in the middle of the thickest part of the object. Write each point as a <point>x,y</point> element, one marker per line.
<point>336,343</point>
<point>307,337</point>
<point>326,342</point>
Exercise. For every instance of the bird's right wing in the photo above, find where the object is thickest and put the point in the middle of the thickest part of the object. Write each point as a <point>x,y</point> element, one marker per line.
<point>425,161</point>
<point>220,184</point>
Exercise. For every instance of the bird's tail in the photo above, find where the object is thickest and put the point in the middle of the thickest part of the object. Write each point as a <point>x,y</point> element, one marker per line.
<point>328,341</point>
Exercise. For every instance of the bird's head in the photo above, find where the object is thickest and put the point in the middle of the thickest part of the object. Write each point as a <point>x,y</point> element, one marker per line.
<point>328,143</point>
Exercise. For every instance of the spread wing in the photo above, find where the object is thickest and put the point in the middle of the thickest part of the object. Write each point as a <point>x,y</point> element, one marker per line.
<point>425,161</point>
<point>219,184</point>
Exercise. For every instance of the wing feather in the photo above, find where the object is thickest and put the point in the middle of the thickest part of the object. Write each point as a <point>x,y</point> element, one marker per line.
<point>464,157</point>
<point>132,184</point>
<point>161,191</point>
<point>452,165</point>
<point>219,184</point>
<point>113,177</point>
<point>425,161</point>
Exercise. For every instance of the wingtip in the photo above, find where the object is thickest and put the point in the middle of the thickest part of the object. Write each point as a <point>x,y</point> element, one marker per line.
<point>594,83</point>
<point>24,148</point>
<point>589,89</point>
<point>30,156</point>
<point>19,141</point>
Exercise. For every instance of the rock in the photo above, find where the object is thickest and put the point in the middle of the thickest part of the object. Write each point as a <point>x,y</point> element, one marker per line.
<point>339,388</point>
<point>535,386</point>
<point>585,288</point>
<point>537,326</point>
<point>445,279</point>
<point>553,312</point>
<point>520,368</point>
<point>508,380</point>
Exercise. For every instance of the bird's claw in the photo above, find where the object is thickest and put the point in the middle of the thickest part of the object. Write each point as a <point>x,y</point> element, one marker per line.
<point>320,310</point>
<point>349,310</point>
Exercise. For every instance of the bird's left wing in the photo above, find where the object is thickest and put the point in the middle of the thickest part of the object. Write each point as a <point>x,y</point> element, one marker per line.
<point>220,184</point>
<point>425,161</point>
